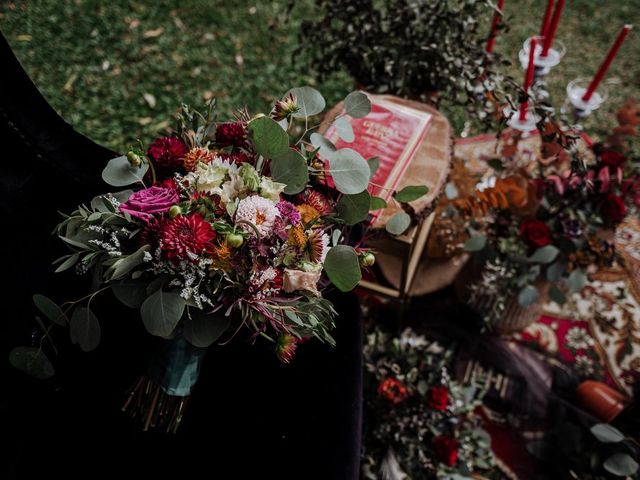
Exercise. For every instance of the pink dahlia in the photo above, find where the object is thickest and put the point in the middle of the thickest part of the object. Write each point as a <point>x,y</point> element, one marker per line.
<point>231,134</point>
<point>167,153</point>
<point>186,236</point>
<point>259,212</point>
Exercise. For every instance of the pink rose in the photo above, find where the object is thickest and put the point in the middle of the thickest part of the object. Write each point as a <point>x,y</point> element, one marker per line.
<point>300,280</point>
<point>143,204</point>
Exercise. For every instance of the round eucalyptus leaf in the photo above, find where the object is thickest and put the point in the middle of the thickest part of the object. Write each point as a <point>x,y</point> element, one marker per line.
<point>202,329</point>
<point>546,254</point>
<point>310,101</point>
<point>528,296</point>
<point>268,137</point>
<point>374,165</point>
<point>621,464</point>
<point>50,309</point>
<point>290,169</point>
<point>354,208</point>
<point>411,193</point>
<point>119,172</point>
<point>475,244</point>
<point>131,293</point>
<point>31,361</point>
<point>398,224</point>
<point>327,148</point>
<point>357,105</point>
<point>350,172</point>
<point>342,267</point>
<point>556,295</point>
<point>344,129</point>
<point>607,433</point>
<point>161,312</point>
<point>377,203</point>
<point>577,280</point>
<point>85,329</point>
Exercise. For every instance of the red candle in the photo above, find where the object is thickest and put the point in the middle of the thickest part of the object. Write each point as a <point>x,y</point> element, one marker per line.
<point>553,26</point>
<point>494,25</point>
<point>546,19</point>
<point>607,62</point>
<point>528,78</point>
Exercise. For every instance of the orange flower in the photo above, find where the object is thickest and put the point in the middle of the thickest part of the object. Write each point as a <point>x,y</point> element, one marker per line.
<point>221,257</point>
<point>297,237</point>
<point>196,155</point>
<point>307,212</point>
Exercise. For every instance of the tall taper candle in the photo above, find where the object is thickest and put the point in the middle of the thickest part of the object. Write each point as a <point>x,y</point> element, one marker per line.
<point>528,78</point>
<point>491,42</point>
<point>551,31</point>
<point>546,19</point>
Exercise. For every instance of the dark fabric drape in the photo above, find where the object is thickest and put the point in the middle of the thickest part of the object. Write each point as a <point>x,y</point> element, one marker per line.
<point>250,416</point>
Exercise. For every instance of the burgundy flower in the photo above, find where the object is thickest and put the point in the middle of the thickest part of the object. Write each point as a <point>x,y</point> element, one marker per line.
<point>231,134</point>
<point>535,232</point>
<point>438,398</point>
<point>612,209</point>
<point>237,157</point>
<point>446,449</point>
<point>393,390</point>
<point>167,153</point>
<point>186,235</point>
<point>317,200</point>
<point>611,158</point>
<point>288,212</point>
<point>145,203</point>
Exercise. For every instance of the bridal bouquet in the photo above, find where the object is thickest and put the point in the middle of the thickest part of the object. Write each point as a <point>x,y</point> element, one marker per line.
<point>232,225</point>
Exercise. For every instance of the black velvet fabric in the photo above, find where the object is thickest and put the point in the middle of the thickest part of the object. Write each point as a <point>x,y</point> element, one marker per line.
<point>249,417</point>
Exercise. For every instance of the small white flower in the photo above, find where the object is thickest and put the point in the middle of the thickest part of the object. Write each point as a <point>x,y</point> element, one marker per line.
<point>270,189</point>
<point>207,177</point>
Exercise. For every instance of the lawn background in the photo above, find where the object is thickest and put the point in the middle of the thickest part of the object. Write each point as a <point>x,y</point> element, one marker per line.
<point>117,70</point>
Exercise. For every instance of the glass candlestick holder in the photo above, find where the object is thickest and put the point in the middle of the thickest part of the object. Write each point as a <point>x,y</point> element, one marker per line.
<point>526,124</point>
<point>543,65</point>
<point>576,90</point>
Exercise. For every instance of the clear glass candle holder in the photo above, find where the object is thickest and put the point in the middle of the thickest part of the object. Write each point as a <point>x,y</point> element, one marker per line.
<point>529,124</point>
<point>576,90</point>
<point>543,65</point>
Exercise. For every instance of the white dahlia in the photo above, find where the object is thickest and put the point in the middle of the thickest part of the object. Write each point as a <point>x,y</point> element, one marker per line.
<point>259,211</point>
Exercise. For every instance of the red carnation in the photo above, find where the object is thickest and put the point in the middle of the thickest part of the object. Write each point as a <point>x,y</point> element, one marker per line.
<point>393,390</point>
<point>186,235</point>
<point>611,158</point>
<point>613,209</point>
<point>167,153</point>
<point>535,232</point>
<point>438,398</point>
<point>231,134</point>
<point>446,449</point>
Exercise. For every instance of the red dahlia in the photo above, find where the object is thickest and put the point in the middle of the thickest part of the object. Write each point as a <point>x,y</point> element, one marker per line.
<point>393,390</point>
<point>167,153</point>
<point>184,236</point>
<point>231,134</point>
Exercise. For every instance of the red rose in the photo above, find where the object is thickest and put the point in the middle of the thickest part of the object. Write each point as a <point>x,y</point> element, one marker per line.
<point>446,449</point>
<point>535,232</point>
<point>393,390</point>
<point>613,208</point>
<point>611,158</point>
<point>438,398</point>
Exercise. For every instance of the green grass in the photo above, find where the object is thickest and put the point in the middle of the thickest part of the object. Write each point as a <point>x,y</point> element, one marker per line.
<point>95,61</point>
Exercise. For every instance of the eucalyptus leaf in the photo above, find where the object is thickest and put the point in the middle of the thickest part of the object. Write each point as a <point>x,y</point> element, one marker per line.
<point>374,165</point>
<point>268,138</point>
<point>556,295</point>
<point>621,464</point>
<point>377,203</point>
<point>577,280</point>
<point>31,361</point>
<point>327,148</point>
<point>546,254</point>
<point>85,329</point>
<point>125,264</point>
<point>357,105</point>
<point>554,271</point>
<point>310,101</point>
<point>528,296</point>
<point>475,243</point>
<point>342,267</point>
<point>202,329</point>
<point>354,208</point>
<point>335,237</point>
<point>350,172</point>
<point>344,129</point>
<point>290,169</point>
<point>131,293</point>
<point>411,193</point>
<point>119,172</point>
<point>161,312</point>
<point>50,309</point>
<point>398,223</point>
<point>607,433</point>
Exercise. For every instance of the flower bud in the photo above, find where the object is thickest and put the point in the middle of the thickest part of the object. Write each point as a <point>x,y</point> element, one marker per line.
<point>285,108</point>
<point>367,259</point>
<point>174,211</point>
<point>234,240</point>
<point>134,158</point>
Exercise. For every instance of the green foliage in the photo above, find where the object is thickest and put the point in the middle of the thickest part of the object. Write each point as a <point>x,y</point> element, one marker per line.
<point>161,312</point>
<point>85,329</point>
<point>350,172</point>
<point>354,208</point>
<point>31,361</point>
<point>120,173</point>
<point>475,244</point>
<point>269,139</point>
<point>411,193</point>
<point>607,433</point>
<point>202,329</point>
<point>50,309</point>
<point>310,101</point>
<point>342,267</point>
<point>290,168</point>
<point>398,224</point>
<point>357,105</point>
